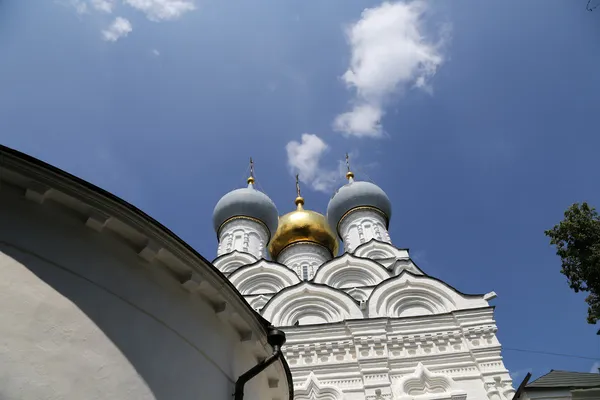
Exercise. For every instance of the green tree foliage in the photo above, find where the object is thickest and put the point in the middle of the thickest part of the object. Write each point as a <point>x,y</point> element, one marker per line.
<point>577,241</point>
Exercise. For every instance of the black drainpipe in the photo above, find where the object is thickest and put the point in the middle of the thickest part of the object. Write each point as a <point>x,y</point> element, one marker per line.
<point>276,339</point>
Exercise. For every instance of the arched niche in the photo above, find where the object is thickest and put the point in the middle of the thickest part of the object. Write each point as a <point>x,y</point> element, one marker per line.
<point>308,303</point>
<point>349,271</point>
<point>377,250</point>
<point>227,263</point>
<point>263,277</point>
<point>409,295</point>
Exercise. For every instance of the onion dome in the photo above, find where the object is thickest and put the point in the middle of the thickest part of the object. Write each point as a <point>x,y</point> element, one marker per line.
<point>246,203</point>
<point>357,194</point>
<point>301,226</point>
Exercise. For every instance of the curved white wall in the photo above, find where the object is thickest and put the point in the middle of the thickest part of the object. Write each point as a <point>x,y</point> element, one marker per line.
<point>82,316</point>
<point>245,235</point>
<point>360,226</point>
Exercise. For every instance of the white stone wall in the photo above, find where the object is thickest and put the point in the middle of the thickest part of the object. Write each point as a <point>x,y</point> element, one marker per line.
<point>362,225</point>
<point>371,325</point>
<point>400,359</point>
<point>243,235</point>
<point>83,316</point>
<point>304,258</point>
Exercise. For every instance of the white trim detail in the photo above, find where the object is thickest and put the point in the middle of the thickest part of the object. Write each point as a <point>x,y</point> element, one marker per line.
<point>262,278</point>
<point>360,226</point>
<point>304,258</point>
<point>348,271</point>
<point>312,389</point>
<point>377,250</point>
<point>307,303</point>
<point>231,261</point>
<point>244,235</point>
<point>398,266</point>
<point>426,385</point>
<point>258,302</point>
<point>412,295</point>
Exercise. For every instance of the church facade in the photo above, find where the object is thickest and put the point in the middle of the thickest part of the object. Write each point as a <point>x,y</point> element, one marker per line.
<point>365,324</point>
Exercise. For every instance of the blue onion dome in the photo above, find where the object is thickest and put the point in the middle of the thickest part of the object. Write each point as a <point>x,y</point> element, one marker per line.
<point>357,194</point>
<point>246,203</point>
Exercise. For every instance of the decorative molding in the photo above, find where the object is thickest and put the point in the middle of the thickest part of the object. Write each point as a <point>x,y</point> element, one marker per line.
<point>37,192</point>
<point>500,389</point>
<point>349,271</point>
<point>150,251</point>
<point>413,295</point>
<point>229,262</point>
<point>304,258</point>
<point>263,277</point>
<point>244,235</point>
<point>379,250</point>
<point>307,303</point>
<point>361,225</point>
<point>426,385</point>
<point>312,389</point>
<point>97,220</point>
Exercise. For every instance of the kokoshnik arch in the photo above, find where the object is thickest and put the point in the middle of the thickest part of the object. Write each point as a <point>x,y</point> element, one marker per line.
<point>366,323</point>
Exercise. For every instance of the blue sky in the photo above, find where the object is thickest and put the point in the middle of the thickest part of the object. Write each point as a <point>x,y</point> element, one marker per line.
<point>488,128</point>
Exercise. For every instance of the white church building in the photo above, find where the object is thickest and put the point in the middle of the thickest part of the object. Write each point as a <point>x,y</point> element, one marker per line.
<point>366,323</point>
<point>98,301</point>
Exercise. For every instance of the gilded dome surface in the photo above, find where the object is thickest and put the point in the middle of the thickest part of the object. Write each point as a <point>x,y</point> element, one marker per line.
<point>246,202</point>
<point>357,194</point>
<point>303,226</point>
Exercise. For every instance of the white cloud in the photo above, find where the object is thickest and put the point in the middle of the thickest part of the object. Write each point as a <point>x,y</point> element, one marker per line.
<point>304,158</point>
<point>159,10</point>
<point>155,52</point>
<point>389,53</point>
<point>106,6</point>
<point>595,367</point>
<point>79,6</point>
<point>363,120</point>
<point>118,29</point>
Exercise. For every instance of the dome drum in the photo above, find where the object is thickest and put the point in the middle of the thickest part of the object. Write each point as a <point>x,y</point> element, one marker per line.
<point>358,195</point>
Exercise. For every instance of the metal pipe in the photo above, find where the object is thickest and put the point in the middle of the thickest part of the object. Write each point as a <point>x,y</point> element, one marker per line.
<point>276,339</point>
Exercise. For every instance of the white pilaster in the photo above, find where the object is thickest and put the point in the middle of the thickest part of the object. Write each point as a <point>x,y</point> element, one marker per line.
<point>244,235</point>
<point>304,258</point>
<point>361,225</point>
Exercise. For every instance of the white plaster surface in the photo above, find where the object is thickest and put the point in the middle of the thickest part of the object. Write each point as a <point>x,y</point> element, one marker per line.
<point>243,235</point>
<point>362,225</point>
<point>82,316</point>
<point>304,258</point>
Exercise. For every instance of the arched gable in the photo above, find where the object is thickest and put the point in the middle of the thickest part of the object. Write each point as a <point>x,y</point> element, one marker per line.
<point>377,250</point>
<point>398,266</point>
<point>412,295</point>
<point>360,295</point>
<point>308,303</point>
<point>227,263</point>
<point>258,302</point>
<point>349,271</point>
<point>422,384</point>
<point>312,389</point>
<point>263,277</point>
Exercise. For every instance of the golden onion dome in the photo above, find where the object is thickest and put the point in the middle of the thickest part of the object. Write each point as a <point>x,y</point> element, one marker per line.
<point>302,226</point>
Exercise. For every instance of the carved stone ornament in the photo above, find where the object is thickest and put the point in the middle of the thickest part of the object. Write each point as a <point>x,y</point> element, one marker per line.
<point>426,385</point>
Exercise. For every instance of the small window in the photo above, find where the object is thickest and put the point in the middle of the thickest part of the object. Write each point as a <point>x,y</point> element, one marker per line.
<point>305,272</point>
